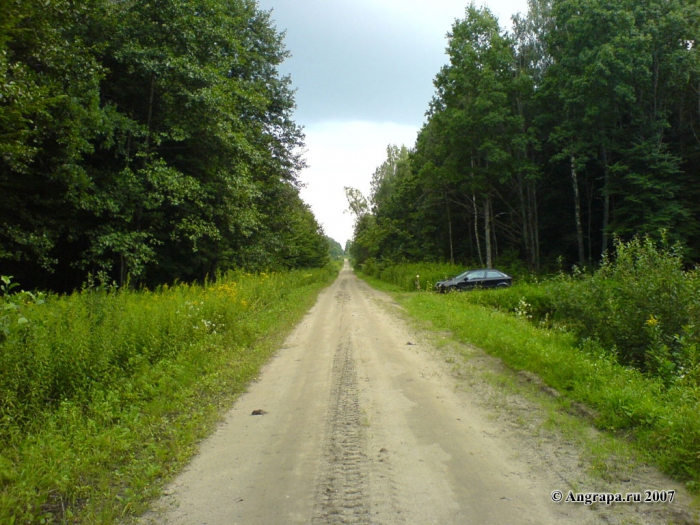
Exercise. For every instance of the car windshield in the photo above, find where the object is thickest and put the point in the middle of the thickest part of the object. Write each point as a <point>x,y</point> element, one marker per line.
<point>471,274</point>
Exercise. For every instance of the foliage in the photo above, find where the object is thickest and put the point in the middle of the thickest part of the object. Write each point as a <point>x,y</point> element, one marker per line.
<point>640,304</point>
<point>14,305</point>
<point>336,250</point>
<point>152,141</point>
<point>104,392</point>
<point>545,142</point>
<point>376,232</point>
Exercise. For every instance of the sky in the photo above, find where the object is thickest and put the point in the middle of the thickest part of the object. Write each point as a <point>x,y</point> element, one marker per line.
<point>363,73</point>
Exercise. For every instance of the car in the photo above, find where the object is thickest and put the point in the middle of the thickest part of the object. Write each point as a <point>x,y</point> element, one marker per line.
<point>481,278</point>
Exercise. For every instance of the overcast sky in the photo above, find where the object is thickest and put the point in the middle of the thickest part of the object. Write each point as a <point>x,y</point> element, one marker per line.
<point>363,71</point>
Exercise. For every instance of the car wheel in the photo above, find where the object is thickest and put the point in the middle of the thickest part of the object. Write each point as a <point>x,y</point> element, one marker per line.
<point>502,285</point>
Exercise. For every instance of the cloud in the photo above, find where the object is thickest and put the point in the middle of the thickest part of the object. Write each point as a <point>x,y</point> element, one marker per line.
<point>367,59</point>
<point>345,154</point>
<point>356,60</point>
<point>363,70</point>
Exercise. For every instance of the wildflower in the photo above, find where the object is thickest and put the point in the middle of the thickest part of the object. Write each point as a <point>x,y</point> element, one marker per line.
<point>652,321</point>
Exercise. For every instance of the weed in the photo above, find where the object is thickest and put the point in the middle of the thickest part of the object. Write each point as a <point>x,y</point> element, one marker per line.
<point>105,392</point>
<point>660,421</point>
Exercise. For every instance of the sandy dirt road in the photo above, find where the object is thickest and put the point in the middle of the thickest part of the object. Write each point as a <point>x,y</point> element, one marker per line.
<point>361,425</point>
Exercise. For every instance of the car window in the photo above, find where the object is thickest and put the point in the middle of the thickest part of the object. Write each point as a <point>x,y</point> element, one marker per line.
<point>479,274</point>
<point>492,274</point>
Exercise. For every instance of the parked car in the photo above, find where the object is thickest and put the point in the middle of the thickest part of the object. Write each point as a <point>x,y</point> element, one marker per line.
<point>482,278</point>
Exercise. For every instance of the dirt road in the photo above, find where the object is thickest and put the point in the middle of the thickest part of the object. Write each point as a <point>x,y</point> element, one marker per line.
<point>362,424</point>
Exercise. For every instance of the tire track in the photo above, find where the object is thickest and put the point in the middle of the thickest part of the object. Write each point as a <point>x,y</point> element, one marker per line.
<point>342,492</point>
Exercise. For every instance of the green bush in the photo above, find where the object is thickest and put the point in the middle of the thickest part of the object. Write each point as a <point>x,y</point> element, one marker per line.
<point>641,305</point>
<point>530,301</point>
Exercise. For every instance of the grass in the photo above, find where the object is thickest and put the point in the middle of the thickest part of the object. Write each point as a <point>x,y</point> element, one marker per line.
<point>662,424</point>
<point>106,393</point>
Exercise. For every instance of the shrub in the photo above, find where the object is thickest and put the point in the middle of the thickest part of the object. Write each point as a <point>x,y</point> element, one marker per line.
<point>641,305</point>
<point>426,275</point>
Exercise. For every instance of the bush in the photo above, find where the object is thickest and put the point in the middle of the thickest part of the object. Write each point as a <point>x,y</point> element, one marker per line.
<point>418,276</point>
<point>530,301</point>
<point>641,305</point>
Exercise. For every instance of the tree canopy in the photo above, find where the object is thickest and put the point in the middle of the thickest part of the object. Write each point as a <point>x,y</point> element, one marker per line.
<point>547,141</point>
<point>150,141</point>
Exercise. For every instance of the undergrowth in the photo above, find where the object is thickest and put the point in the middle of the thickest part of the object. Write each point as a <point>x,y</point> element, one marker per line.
<point>411,277</point>
<point>624,339</point>
<point>105,392</point>
<point>662,422</point>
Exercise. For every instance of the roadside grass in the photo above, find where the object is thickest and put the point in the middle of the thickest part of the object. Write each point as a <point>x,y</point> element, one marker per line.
<point>603,455</point>
<point>106,393</point>
<point>411,277</point>
<point>661,424</point>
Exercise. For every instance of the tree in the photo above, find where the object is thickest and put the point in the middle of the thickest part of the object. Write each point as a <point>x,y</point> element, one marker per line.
<point>335,249</point>
<point>147,140</point>
<point>610,86</point>
<point>578,125</point>
<point>472,123</point>
<point>49,114</point>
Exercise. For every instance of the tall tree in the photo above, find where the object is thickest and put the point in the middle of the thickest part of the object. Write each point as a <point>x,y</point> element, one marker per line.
<point>151,140</point>
<point>614,65</point>
<point>49,114</point>
<point>473,105</point>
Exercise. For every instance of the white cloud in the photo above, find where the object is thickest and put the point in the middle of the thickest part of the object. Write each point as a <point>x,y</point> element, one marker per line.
<point>343,154</point>
<point>361,67</point>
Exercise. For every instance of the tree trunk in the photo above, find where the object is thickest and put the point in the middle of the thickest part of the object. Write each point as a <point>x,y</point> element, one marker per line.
<point>606,201</point>
<point>476,219</point>
<point>534,228</point>
<point>476,230</point>
<point>529,221</point>
<point>577,208</point>
<point>487,230</point>
<point>150,113</point>
<point>524,219</point>
<point>449,227</point>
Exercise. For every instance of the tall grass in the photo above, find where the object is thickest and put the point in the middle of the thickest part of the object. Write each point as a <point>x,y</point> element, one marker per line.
<point>624,339</point>
<point>411,277</point>
<point>104,392</point>
<point>663,422</point>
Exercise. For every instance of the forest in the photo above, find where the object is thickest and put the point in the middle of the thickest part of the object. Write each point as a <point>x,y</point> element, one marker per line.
<point>147,142</point>
<point>545,143</point>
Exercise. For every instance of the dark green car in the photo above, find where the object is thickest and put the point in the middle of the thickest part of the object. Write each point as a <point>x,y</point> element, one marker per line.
<point>481,278</point>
